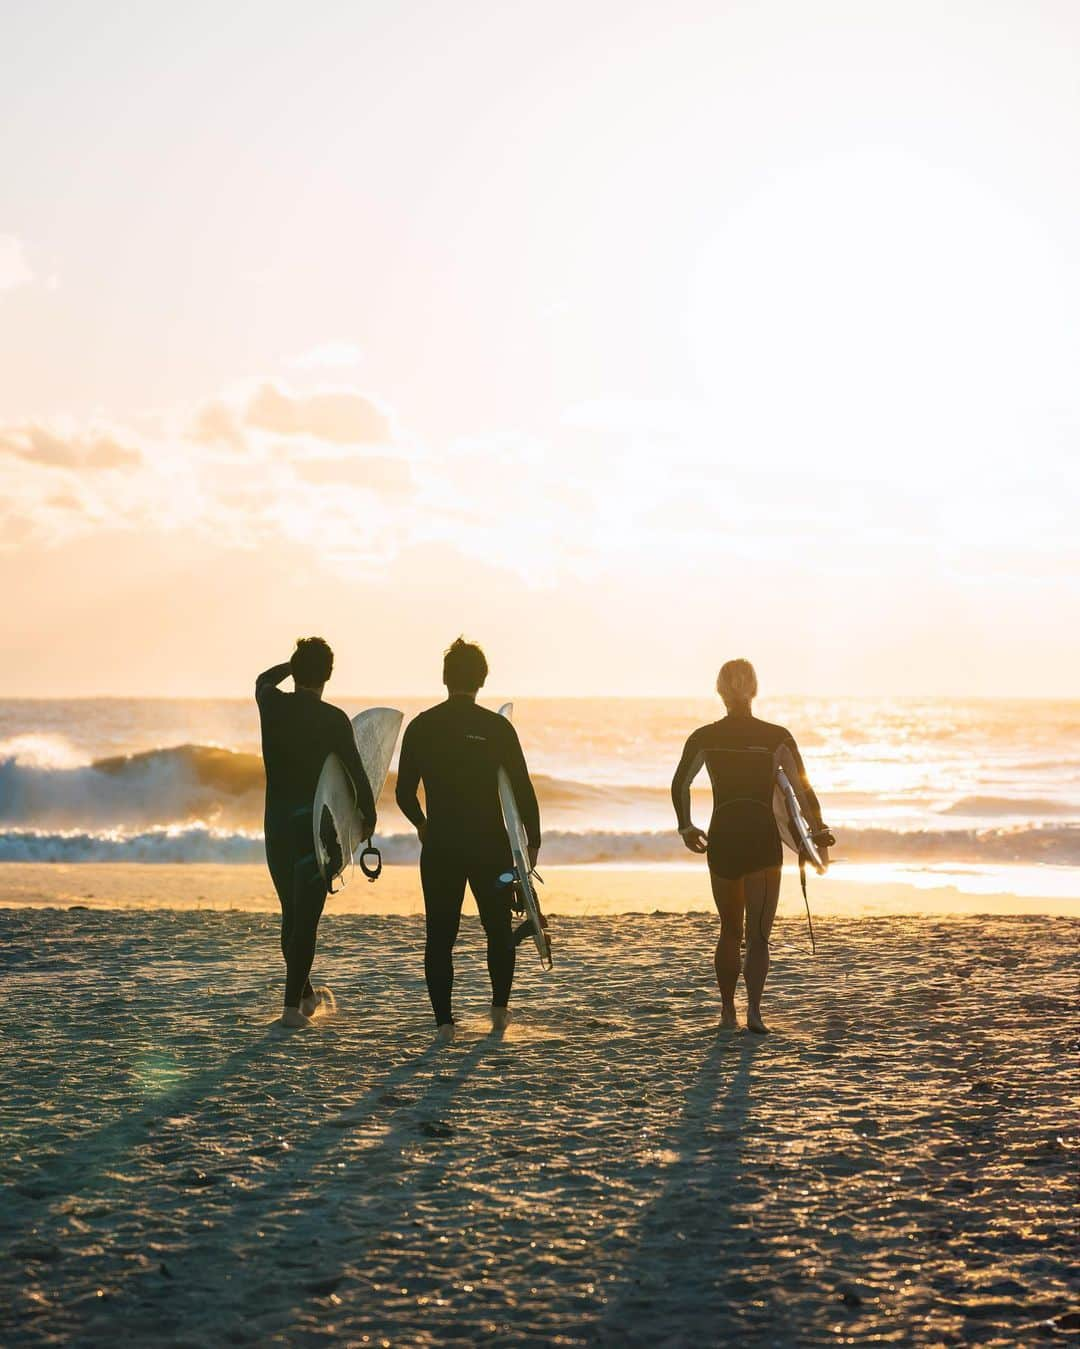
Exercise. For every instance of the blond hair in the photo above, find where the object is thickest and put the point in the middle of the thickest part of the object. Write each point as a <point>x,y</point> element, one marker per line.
<point>737,682</point>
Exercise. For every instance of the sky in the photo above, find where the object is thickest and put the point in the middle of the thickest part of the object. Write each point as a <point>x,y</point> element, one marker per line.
<point>623,338</point>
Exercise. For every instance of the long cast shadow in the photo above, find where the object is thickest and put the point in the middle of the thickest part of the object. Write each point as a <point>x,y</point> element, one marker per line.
<point>686,1280</point>
<point>292,1210</point>
<point>79,1165</point>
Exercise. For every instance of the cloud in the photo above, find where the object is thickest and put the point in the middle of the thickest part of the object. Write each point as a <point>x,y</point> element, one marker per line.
<point>334,354</point>
<point>379,473</point>
<point>38,445</point>
<point>342,418</point>
<point>216,424</point>
<point>14,268</point>
<point>252,466</point>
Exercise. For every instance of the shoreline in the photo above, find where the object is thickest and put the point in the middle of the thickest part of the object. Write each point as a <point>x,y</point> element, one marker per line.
<point>569,891</point>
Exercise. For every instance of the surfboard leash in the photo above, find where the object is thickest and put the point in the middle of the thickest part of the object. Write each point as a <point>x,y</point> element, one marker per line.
<point>372,870</point>
<point>806,900</point>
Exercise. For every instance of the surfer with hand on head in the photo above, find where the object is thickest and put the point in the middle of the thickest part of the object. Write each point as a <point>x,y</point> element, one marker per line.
<point>298,731</point>
<point>456,750</point>
<point>743,844</point>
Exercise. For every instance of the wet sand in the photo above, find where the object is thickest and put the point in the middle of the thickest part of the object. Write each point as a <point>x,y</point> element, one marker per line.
<point>894,1162</point>
<point>570,891</point>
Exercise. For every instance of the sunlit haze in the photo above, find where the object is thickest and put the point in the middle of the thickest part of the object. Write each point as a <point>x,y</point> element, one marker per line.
<point>624,339</point>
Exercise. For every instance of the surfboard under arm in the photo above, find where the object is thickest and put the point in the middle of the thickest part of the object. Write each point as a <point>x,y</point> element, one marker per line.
<point>792,823</point>
<point>519,851</point>
<point>375,731</point>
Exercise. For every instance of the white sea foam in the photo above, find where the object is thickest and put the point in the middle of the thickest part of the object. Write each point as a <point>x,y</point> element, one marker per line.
<point>34,749</point>
<point>1057,845</point>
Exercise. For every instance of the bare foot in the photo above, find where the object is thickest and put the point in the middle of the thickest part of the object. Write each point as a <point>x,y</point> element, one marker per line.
<point>309,1003</point>
<point>754,1021</point>
<point>294,1018</point>
<point>446,1033</point>
<point>500,1018</point>
<point>728,1019</point>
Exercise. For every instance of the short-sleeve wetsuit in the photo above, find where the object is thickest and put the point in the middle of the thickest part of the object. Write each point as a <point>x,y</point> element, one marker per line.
<point>741,754</point>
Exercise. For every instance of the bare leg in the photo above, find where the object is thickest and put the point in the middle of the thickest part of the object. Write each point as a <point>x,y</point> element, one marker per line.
<point>728,898</point>
<point>762,890</point>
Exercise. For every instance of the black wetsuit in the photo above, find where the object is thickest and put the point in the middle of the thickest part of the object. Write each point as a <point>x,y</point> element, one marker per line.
<point>298,731</point>
<point>741,754</point>
<point>456,750</point>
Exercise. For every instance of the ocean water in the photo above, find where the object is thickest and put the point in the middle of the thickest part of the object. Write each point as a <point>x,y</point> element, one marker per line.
<point>934,782</point>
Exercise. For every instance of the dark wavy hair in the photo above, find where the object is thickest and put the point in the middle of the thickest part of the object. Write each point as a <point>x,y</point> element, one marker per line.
<point>312,662</point>
<point>464,666</point>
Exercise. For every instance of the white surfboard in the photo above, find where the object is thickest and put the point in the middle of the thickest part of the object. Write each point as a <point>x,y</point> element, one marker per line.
<point>338,837</point>
<point>519,851</point>
<point>791,822</point>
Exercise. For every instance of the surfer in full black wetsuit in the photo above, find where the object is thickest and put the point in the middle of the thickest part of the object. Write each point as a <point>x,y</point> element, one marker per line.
<point>298,731</point>
<point>456,749</point>
<point>743,843</point>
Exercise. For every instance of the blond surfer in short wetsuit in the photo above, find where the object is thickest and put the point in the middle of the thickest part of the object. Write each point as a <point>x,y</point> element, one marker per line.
<point>742,843</point>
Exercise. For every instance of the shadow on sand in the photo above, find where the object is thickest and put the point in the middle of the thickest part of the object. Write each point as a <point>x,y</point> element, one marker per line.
<point>376,1136</point>
<point>688,1278</point>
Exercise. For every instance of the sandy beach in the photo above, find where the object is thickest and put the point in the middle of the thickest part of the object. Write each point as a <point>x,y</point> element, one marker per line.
<point>892,1163</point>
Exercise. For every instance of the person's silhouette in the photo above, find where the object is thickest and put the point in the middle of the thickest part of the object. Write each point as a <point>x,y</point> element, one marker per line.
<point>742,843</point>
<point>456,749</point>
<point>298,731</point>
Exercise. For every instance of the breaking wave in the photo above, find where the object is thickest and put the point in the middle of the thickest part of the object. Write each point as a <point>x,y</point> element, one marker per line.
<point>185,782</point>
<point>1009,805</point>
